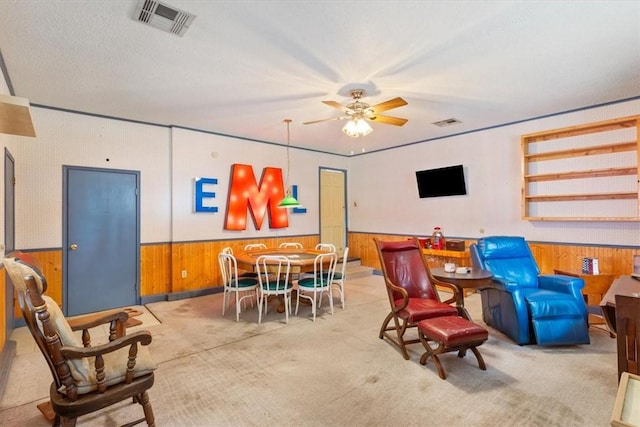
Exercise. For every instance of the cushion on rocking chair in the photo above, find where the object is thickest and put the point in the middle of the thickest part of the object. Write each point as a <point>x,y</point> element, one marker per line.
<point>83,370</point>
<point>421,308</point>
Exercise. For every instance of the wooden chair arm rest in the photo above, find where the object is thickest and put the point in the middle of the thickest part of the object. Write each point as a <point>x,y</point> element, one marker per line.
<point>454,290</point>
<point>391,288</point>
<point>92,320</point>
<point>142,337</point>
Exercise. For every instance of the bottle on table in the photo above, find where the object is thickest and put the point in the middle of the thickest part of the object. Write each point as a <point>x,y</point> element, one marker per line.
<point>437,239</point>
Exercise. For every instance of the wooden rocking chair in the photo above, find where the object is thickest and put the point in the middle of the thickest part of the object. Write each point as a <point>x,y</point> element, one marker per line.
<point>411,289</point>
<point>85,379</point>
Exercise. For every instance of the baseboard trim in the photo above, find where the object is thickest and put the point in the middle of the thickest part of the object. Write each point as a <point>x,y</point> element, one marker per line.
<point>181,295</point>
<point>6,359</point>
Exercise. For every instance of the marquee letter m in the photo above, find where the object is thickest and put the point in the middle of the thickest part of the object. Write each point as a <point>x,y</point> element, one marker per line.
<point>245,194</point>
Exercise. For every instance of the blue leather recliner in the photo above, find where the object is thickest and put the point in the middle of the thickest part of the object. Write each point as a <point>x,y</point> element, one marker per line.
<point>528,307</point>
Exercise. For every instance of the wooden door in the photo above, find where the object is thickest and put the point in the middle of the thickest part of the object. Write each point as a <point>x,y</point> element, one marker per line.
<point>333,219</point>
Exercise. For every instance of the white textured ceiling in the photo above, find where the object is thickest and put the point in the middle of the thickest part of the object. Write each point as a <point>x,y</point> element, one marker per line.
<point>244,66</point>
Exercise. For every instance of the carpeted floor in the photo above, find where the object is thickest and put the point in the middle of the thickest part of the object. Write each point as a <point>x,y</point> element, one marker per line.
<point>214,371</point>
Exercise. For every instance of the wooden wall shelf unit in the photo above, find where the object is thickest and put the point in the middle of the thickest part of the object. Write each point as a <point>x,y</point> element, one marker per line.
<point>585,163</point>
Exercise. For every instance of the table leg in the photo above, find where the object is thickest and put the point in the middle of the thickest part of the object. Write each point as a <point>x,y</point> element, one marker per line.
<point>462,311</point>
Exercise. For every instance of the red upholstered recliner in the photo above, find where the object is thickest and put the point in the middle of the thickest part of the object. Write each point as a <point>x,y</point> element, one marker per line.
<point>411,290</point>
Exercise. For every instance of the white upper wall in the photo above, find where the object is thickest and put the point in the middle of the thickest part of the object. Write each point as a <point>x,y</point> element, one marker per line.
<point>384,197</point>
<point>68,139</point>
<point>382,191</point>
<point>199,154</point>
<point>168,160</point>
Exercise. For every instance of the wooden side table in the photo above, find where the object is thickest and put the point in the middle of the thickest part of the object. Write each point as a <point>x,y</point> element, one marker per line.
<point>595,286</point>
<point>474,279</point>
<point>437,258</point>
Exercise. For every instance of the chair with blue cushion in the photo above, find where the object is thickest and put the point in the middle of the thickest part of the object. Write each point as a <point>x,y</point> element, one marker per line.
<point>274,278</point>
<point>312,288</point>
<point>340,277</point>
<point>528,307</point>
<point>235,284</point>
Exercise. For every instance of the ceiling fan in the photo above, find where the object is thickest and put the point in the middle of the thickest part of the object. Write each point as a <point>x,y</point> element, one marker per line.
<point>357,110</point>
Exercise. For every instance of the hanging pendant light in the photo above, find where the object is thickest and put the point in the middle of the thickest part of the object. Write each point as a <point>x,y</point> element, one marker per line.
<point>289,201</point>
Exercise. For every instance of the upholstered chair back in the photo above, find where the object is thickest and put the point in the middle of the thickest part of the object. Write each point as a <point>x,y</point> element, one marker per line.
<point>509,259</point>
<point>405,267</point>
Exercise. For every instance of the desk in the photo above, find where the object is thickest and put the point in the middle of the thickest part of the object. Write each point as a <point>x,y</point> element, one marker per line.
<point>595,286</point>
<point>474,279</point>
<point>624,285</point>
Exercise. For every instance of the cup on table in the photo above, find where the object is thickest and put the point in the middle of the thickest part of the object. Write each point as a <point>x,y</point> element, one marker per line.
<point>450,267</point>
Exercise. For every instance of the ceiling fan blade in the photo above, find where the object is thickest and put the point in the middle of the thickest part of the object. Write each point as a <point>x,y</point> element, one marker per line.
<point>388,105</point>
<point>324,120</point>
<point>388,120</point>
<point>336,105</point>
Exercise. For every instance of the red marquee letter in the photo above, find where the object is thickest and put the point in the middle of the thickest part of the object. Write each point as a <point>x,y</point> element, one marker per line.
<point>244,193</point>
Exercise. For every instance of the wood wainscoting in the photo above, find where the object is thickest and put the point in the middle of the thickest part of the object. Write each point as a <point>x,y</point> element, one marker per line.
<point>161,265</point>
<point>549,256</point>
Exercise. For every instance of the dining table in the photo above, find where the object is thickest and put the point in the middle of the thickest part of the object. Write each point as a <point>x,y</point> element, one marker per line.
<point>301,260</point>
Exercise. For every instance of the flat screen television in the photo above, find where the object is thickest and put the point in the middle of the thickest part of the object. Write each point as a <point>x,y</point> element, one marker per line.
<point>447,181</point>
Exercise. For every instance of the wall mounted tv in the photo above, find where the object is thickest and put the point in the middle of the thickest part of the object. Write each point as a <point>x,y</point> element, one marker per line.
<point>447,181</point>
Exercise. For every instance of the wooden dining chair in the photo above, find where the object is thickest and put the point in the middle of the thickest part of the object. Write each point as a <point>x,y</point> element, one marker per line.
<point>628,334</point>
<point>86,377</point>
<point>274,279</point>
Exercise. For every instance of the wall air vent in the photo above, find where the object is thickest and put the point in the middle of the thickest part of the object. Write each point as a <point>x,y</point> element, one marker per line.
<point>163,16</point>
<point>447,122</point>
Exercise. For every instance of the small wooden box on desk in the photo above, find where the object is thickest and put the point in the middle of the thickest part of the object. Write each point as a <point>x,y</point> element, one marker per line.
<point>595,286</point>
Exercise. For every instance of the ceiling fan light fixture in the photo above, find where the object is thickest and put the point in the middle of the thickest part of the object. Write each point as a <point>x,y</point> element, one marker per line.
<point>358,113</point>
<point>357,127</point>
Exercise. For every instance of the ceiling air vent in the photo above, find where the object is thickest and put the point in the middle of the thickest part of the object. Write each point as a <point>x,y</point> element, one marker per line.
<point>447,122</point>
<point>163,16</point>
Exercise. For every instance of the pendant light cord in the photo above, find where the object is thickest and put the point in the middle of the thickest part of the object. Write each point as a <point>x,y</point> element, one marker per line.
<point>288,121</point>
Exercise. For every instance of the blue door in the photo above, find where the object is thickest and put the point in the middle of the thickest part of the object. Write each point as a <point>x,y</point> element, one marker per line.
<point>101,239</point>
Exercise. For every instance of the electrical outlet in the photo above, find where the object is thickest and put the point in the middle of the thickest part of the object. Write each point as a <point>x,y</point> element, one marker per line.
<point>184,274</point>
